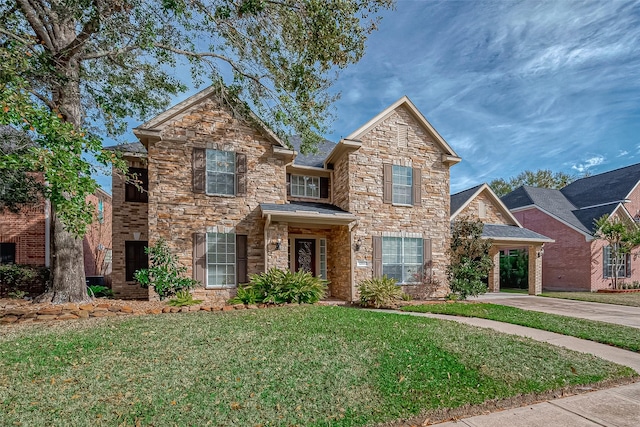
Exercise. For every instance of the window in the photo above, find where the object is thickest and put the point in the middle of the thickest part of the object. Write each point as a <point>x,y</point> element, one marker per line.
<point>609,263</point>
<point>402,258</point>
<point>221,260</point>
<point>135,258</point>
<point>305,186</point>
<point>132,193</point>
<point>323,258</point>
<point>402,185</point>
<point>221,172</point>
<point>7,253</point>
<point>100,211</point>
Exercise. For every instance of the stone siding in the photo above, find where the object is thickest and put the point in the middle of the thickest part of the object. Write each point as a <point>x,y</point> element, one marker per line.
<point>128,218</point>
<point>493,214</point>
<point>365,195</point>
<point>176,212</point>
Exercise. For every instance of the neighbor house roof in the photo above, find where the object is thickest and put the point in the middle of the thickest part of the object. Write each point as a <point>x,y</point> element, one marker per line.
<point>583,201</point>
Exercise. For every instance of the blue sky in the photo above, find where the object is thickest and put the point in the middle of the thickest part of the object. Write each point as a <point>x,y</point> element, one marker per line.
<point>511,85</point>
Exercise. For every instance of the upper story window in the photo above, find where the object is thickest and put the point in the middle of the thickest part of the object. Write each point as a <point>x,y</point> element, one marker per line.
<point>305,186</point>
<point>402,185</point>
<point>140,192</point>
<point>219,172</point>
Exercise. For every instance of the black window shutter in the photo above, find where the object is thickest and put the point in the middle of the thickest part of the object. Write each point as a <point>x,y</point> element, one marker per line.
<point>241,174</point>
<point>377,256</point>
<point>387,183</point>
<point>199,170</point>
<point>288,184</point>
<point>200,257</point>
<point>241,258</point>
<point>324,188</point>
<point>417,187</point>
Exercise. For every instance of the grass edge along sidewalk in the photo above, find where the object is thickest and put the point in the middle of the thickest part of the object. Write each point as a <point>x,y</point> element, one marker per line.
<point>310,365</point>
<point>624,337</point>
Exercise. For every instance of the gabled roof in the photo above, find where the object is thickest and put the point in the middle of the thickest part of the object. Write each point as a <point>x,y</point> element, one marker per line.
<point>461,200</point>
<point>608,187</point>
<point>312,159</point>
<point>159,121</point>
<point>406,102</point>
<point>583,201</point>
<point>317,213</point>
<point>135,148</point>
<point>513,233</point>
<point>551,201</point>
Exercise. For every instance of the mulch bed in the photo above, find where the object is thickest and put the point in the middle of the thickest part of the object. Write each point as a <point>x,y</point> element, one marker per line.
<point>617,291</point>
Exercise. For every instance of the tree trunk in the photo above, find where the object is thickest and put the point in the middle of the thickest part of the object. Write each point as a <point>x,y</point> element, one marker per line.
<point>69,283</point>
<point>67,268</point>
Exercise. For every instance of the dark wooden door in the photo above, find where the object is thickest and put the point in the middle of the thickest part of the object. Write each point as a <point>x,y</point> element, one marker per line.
<point>305,255</point>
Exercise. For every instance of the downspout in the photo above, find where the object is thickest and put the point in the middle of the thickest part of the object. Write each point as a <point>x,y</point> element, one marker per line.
<point>47,233</point>
<point>267,224</point>
<point>352,279</point>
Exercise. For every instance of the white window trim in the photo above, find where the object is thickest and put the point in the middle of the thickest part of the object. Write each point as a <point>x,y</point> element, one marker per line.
<point>393,185</point>
<point>306,188</point>
<point>402,236</point>
<point>206,173</point>
<point>235,258</point>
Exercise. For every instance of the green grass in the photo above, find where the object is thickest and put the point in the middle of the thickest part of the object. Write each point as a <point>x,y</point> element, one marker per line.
<point>624,337</point>
<point>304,366</point>
<point>631,299</point>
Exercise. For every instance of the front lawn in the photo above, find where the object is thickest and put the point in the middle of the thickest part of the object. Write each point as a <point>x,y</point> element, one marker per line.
<point>304,366</point>
<point>631,298</point>
<point>624,337</point>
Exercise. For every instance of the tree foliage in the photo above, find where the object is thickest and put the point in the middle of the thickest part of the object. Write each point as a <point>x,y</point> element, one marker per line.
<point>469,260</point>
<point>74,71</point>
<point>18,187</point>
<point>622,237</point>
<point>543,178</point>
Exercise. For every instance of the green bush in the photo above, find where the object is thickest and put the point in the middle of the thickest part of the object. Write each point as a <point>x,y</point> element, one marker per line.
<point>469,260</point>
<point>281,286</point>
<point>183,298</point>
<point>165,274</point>
<point>23,279</point>
<point>379,291</point>
<point>514,270</point>
<point>99,291</point>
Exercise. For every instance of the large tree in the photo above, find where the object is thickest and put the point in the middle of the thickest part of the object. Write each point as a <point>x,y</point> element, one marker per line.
<point>543,178</point>
<point>72,71</point>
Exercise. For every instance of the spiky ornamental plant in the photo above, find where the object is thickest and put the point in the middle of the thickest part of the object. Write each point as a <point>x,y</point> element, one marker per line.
<point>71,68</point>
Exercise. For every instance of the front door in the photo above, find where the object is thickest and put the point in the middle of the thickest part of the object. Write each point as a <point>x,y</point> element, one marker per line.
<point>305,255</point>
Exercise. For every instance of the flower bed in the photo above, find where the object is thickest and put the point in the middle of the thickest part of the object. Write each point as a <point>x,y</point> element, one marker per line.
<point>617,291</point>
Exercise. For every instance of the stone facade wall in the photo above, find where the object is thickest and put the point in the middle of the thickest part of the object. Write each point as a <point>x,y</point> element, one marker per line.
<point>431,219</point>
<point>127,218</point>
<point>27,230</point>
<point>176,212</point>
<point>566,264</point>
<point>493,214</point>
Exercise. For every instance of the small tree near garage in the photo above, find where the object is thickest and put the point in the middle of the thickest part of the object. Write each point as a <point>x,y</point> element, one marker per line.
<point>622,237</point>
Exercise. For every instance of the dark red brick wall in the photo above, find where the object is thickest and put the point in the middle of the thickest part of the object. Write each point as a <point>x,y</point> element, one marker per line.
<point>27,230</point>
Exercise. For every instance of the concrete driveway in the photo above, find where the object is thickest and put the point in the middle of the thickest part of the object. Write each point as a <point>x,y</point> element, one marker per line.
<point>610,313</point>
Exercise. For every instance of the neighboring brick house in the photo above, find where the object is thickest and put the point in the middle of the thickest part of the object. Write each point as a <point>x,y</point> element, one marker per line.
<point>504,230</point>
<point>25,237</point>
<point>231,200</point>
<point>577,261</point>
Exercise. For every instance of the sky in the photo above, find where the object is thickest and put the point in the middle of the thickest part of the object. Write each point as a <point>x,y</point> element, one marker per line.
<point>510,85</point>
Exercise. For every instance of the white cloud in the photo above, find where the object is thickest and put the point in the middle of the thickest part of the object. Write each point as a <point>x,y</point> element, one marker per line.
<point>589,163</point>
<point>623,153</point>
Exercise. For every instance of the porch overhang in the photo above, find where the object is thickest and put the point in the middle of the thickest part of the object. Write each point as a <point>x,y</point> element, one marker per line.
<point>312,213</point>
<point>513,235</point>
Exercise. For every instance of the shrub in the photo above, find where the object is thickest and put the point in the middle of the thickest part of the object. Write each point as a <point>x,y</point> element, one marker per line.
<point>99,291</point>
<point>26,279</point>
<point>379,291</point>
<point>183,298</point>
<point>165,274</point>
<point>281,286</point>
<point>469,260</point>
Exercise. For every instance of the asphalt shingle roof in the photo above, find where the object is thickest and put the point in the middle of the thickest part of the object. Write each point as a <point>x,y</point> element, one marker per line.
<point>321,208</point>
<point>131,147</point>
<point>459,199</point>
<point>584,200</point>
<point>497,231</point>
<point>312,159</point>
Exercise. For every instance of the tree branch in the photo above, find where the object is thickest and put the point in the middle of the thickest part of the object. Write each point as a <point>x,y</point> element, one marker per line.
<point>36,23</point>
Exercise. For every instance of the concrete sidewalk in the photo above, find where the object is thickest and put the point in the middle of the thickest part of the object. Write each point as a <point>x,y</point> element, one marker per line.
<point>610,313</point>
<point>618,406</point>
